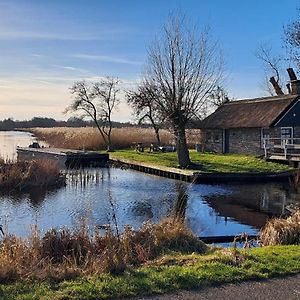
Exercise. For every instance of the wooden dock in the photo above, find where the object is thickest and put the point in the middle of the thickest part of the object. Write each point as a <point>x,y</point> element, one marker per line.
<point>283,151</point>
<point>64,157</point>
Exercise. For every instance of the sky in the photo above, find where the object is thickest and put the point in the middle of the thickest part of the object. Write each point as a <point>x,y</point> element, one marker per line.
<point>45,46</point>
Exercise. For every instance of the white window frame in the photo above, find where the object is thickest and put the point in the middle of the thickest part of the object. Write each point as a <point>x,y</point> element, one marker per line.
<point>264,137</point>
<point>287,140</point>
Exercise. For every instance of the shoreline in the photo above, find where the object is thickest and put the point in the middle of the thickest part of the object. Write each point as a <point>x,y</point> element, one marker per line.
<point>205,177</point>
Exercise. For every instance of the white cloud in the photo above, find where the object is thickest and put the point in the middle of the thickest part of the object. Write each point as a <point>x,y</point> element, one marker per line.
<point>106,58</point>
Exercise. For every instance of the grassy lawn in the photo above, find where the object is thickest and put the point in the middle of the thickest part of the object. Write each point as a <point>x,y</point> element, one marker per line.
<point>208,162</point>
<point>166,275</point>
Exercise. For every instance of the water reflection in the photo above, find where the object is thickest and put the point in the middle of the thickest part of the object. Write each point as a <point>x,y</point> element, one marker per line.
<point>120,197</point>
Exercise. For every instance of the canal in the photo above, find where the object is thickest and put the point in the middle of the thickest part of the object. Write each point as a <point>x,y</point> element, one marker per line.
<point>109,195</point>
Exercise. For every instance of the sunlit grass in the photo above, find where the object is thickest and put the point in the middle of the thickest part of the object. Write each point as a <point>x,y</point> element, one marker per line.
<point>208,162</point>
<point>166,274</point>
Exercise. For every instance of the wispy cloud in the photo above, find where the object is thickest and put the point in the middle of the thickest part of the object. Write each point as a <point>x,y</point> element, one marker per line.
<point>15,34</point>
<point>72,69</point>
<point>107,58</point>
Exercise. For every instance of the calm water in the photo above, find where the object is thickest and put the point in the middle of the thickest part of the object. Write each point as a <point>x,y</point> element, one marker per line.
<point>133,198</point>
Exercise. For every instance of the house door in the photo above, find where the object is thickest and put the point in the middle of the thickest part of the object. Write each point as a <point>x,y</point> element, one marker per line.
<point>226,141</point>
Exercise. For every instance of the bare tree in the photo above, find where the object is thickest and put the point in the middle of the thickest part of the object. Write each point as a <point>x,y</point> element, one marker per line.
<point>184,67</point>
<point>145,108</point>
<point>97,101</point>
<point>272,67</point>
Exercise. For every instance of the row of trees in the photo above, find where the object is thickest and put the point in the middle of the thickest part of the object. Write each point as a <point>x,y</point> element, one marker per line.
<point>184,70</point>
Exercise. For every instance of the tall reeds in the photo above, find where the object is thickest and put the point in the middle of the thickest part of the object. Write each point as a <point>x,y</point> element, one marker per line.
<point>24,175</point>
<point>281,231</point>
<point>64,253</point>
<point>88,138</point>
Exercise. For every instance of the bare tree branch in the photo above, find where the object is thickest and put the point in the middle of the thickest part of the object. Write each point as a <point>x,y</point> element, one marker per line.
<point>97,101</point>
<point>184,67</point>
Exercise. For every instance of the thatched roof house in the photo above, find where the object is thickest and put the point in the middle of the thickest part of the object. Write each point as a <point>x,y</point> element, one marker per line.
<point>250,113</point>
<point>243,126</point>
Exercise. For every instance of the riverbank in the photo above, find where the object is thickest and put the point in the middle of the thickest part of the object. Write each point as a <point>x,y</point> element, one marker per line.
<point>211,168</point>
<point>166,274</point>
<point>207,162</point>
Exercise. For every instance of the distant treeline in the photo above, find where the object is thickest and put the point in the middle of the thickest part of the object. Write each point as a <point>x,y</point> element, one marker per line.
<point>10,124</point>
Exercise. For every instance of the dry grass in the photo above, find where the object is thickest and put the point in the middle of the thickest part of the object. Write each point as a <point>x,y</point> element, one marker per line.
<point>23,175</point>
<point>282,231</point>
<point>64,254</point>
<point>90,139</point>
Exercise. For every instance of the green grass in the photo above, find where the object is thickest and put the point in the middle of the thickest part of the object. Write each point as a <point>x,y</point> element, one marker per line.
<point>208,162</point>
<point>167,274</point>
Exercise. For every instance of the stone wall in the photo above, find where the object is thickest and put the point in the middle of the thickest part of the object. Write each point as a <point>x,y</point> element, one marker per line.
<point>246,141</point>
<point>241,140</point>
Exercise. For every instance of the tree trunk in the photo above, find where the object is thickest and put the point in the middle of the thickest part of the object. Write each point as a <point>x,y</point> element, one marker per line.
<point>182,149</point>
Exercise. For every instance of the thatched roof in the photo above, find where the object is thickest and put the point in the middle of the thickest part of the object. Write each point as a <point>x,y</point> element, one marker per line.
<point>258,112</point>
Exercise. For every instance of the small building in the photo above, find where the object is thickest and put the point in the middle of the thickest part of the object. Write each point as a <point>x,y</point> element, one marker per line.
<point>248,126</point>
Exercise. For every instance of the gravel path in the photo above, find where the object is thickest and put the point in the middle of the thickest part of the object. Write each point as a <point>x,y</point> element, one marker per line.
<point>287,288</point>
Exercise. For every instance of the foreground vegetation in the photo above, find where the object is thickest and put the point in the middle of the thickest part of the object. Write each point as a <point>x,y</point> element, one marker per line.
<point>80,264</point>
<point>25,175</point>
<point>208,162</point>
<point>166,274</point>
<point>64,254</point>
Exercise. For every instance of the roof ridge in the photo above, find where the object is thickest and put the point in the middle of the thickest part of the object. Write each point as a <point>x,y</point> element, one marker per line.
<point>262,99</point>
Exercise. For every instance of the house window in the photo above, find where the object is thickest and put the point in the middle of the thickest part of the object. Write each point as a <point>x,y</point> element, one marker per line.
<point>286,135</point>
<point>265,137</point>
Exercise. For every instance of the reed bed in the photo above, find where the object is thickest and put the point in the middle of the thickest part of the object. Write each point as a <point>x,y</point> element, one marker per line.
<point>89,138</point>
<point>25,175</point>
<point>64,254</point>
<point>282,231</point>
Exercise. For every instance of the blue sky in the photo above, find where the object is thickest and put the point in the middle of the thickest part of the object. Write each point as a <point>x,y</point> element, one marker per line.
<point>47,45</point>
